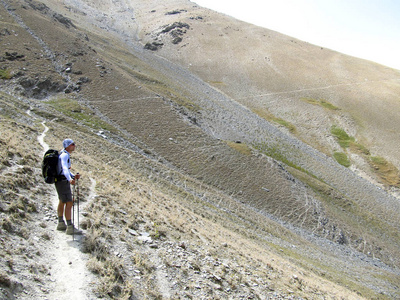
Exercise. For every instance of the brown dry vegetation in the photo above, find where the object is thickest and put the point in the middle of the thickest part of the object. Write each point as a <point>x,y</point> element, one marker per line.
<point>233,207</point>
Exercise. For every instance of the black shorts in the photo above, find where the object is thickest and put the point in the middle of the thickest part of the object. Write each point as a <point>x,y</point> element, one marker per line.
<point>63,188</point>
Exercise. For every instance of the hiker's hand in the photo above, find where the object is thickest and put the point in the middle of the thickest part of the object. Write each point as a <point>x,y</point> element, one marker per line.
<point>72,181</point>
<point>77,176</point>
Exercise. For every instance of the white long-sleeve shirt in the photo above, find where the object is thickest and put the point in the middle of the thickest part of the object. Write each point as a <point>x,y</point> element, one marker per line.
<point>64,165</point>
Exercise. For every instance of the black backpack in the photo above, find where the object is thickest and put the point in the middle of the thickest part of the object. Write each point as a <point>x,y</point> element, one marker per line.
<point>49,166</point>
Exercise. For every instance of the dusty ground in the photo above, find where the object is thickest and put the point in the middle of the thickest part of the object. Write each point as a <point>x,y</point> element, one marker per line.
<point>183,200</point>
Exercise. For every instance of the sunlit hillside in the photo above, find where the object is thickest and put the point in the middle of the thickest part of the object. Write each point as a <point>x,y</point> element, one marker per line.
<point>219,160</point>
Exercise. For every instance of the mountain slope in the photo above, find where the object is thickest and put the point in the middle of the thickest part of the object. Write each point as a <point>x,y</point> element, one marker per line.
<point>197,141</point>
<point>223,118</point>
<point>265,70</point>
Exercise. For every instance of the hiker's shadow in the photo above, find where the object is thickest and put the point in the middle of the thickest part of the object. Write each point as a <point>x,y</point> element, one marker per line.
<point>76,241</point>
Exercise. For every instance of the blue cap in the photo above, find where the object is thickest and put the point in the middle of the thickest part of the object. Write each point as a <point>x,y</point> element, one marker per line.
<point>67,142</point>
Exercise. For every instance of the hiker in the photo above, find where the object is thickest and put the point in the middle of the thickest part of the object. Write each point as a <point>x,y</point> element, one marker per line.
<point>63,187</point>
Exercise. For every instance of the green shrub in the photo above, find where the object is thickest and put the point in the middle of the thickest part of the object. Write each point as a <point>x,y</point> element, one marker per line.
<point>379,160</point>
<point>288,125</point>
<point>321,102</point>
<point>5,74</point>
<point>271,118</point>
<point>359,148</point>
<point>342,159</point>
<point>80,113</point>
<point>341,135</point>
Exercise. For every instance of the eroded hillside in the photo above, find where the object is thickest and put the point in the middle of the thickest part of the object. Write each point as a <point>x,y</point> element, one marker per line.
<point>86,67</point>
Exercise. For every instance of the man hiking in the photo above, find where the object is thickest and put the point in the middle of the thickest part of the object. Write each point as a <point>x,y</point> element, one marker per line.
<point>63,187</point>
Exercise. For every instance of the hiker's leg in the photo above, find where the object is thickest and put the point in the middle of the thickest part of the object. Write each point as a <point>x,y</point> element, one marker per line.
<point>68,211</point>
<point>60,209</point>
<point>65,196</point>
<point>71,230</point>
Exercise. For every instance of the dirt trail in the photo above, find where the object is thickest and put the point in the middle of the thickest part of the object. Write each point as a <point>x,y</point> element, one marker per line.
<point>71,279</point>
<point>41,138</point>
<point>317,88</point>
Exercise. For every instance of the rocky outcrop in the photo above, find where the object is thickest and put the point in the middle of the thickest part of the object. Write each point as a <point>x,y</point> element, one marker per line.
<point>174,31</point>
<point>40,88</point>
<point>63,20</point>
<point>12,56</point>
<point>153,46</point>
<point>43,8</point>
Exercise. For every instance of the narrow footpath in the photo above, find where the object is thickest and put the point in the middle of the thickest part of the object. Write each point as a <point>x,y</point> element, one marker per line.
<point>70,277</point>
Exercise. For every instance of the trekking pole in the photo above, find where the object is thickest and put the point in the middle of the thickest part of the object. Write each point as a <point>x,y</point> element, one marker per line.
<point>73,213</point>
<point>77,197</point>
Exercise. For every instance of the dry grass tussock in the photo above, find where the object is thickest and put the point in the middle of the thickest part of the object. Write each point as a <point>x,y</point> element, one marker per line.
<point>22,234</point>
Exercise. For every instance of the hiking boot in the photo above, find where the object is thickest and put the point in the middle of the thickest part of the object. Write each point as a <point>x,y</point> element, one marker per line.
<point>72,230</point>
<point>61,226</point>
